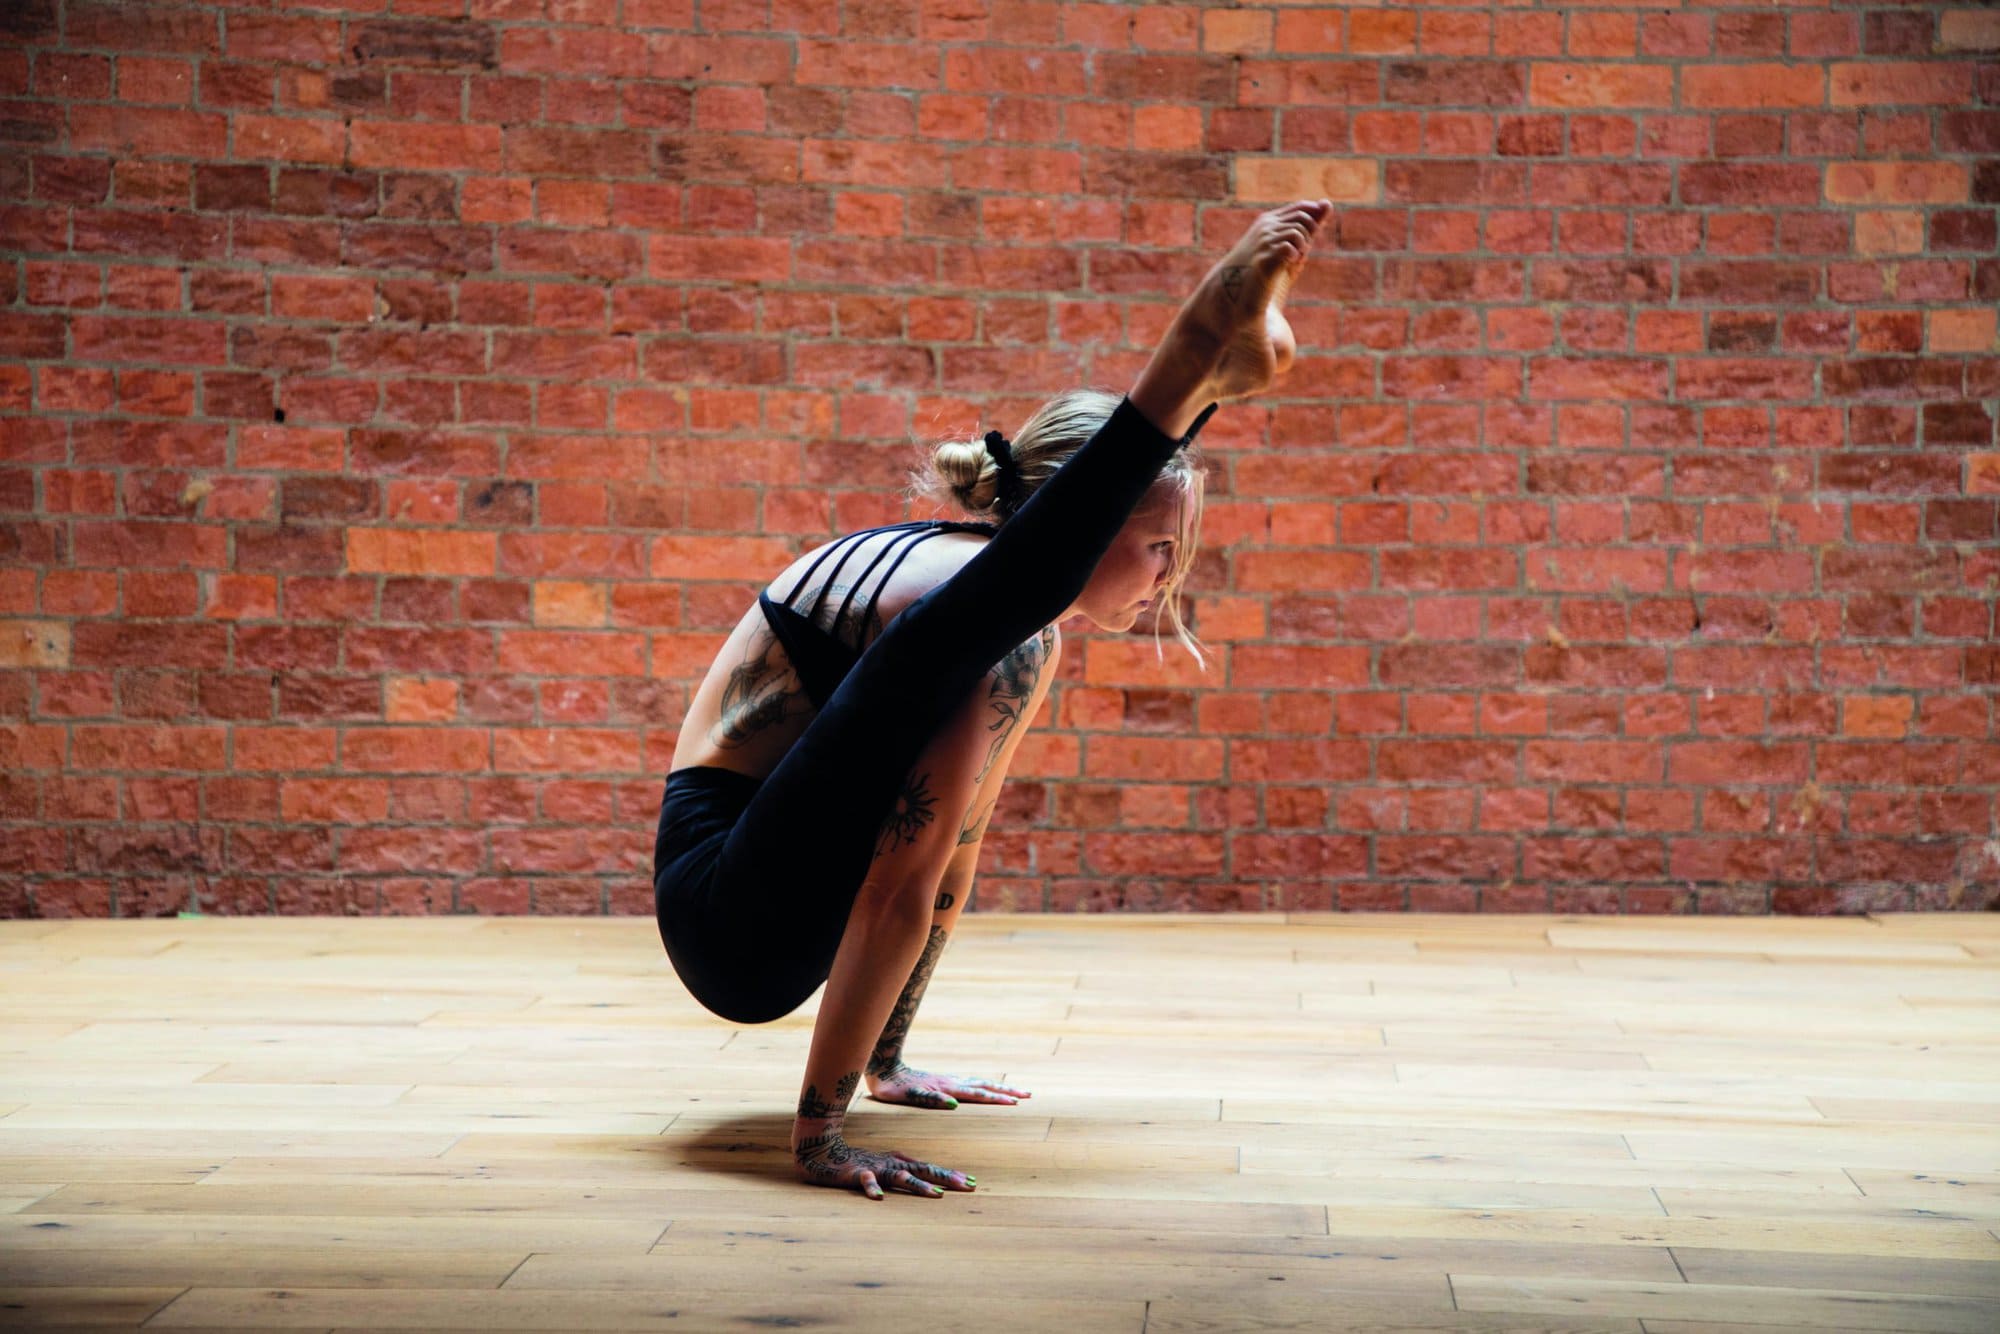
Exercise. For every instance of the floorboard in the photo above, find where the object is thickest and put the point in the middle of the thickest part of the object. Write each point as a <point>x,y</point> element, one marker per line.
<point>1313,1122</point>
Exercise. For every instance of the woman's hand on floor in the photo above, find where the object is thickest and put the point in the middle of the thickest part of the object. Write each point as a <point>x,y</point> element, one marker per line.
<point>829,1160</point>
<point>921,1088</point>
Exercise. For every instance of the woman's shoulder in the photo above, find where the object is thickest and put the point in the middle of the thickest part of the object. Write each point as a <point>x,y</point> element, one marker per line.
<point>878,571</point>
<point>940,549</point>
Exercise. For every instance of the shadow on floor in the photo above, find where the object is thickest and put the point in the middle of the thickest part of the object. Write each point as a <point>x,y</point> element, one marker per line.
<point>740,1146</point>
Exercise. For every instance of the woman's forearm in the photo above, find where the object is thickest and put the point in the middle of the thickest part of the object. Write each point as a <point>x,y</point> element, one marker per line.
<point>887,1057</point>
<point>881,946</point>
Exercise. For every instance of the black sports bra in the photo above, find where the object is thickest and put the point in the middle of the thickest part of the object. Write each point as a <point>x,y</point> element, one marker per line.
<point>820,657</point>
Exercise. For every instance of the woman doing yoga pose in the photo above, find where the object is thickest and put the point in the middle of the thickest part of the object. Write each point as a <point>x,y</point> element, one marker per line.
<point>835,774</point>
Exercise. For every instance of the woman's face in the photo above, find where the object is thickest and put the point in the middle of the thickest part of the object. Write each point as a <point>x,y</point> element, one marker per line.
<point>1138,562</point>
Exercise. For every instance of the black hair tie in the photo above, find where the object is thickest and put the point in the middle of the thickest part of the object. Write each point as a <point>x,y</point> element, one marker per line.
<point>1007,486</point>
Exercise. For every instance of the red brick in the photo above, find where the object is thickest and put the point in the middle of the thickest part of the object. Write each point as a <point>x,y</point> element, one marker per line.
<point>419,551</point>
<point>413,750</point>
<point>1896,182</point>
<point>1969,30</point>
<point>1575,84</point>
<point>1900,83</point>
<point>1753,86</point>
<point>1569,252</point>
<point>1381,32</point>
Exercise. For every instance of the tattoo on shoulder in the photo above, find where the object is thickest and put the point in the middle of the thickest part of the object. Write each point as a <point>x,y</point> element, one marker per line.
<point>759,694</point>
<point>763,691</point>
<point>914,809</point>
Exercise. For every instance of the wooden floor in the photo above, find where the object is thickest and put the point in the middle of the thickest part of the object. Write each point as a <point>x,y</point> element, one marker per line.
<point>1315,1123</point>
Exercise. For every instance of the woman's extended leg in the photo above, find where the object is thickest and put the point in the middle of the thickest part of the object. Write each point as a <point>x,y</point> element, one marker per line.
<point>788,871</point>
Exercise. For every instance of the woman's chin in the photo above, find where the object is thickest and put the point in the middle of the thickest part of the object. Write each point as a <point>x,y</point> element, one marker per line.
<point>1115,622</point>
<point>1125,619</point>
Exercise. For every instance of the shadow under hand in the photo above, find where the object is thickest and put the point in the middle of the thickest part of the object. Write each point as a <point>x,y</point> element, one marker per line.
<point>738,1146</point>
<point>755,1147</point>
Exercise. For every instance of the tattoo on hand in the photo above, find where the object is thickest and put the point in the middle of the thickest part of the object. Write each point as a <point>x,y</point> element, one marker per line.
<point>944,902</point>
<point>822,1156</point>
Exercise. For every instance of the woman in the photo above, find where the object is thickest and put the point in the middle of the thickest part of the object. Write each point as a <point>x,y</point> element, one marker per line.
<point>822,817</point>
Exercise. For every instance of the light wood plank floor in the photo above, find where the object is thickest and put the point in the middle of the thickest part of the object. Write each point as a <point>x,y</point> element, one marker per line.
<point>1245,1123</point>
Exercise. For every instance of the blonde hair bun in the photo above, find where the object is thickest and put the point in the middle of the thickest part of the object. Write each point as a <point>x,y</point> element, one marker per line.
<point>964,470</point>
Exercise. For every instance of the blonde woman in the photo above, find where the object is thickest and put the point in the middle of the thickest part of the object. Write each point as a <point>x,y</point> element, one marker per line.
<point>840,760</point>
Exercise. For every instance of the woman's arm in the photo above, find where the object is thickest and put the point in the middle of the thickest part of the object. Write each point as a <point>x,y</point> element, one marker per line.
<point>1016,691</point>
<point>886,936</point>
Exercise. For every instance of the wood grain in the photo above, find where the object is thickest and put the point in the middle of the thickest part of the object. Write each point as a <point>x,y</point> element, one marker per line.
<point>1318,1122</point>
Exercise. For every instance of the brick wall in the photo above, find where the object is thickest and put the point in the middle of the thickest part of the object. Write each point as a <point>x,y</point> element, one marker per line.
<point>400,401</point>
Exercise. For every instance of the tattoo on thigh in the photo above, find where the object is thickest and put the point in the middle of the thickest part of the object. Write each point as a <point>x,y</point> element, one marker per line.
<point>913,810</point>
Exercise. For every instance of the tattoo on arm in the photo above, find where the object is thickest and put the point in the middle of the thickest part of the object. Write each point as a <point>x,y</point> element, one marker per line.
<point>1014,681</point>
<point>912,811</point>
<point>888,1057</point>
<point>812,1107</point>
<point>1232,281</point>
<point>975,823</point>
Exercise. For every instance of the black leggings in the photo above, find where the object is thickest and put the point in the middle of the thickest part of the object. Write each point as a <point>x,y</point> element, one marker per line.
<point>753,882</point>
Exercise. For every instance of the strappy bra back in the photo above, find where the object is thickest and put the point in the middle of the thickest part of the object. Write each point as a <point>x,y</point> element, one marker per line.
<point>820,657</point>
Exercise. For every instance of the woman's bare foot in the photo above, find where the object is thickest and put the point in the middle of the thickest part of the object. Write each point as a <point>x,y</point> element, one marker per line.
<point>1230,338</point>
<point>1252,282</point>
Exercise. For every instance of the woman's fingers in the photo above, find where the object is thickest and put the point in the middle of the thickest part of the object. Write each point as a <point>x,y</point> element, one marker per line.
<point>904,1180</point>
<point>1003,1088</point>
<point>942,1176</point>
<point>869,1185</point>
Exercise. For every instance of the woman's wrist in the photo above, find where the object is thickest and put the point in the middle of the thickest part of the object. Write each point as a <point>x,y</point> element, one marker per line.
<point>811,1134</point>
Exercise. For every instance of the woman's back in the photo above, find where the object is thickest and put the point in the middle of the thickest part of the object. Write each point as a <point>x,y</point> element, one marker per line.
<point>792,646</point>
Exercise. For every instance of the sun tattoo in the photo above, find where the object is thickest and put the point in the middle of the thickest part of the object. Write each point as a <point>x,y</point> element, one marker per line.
<point>913,810</point>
